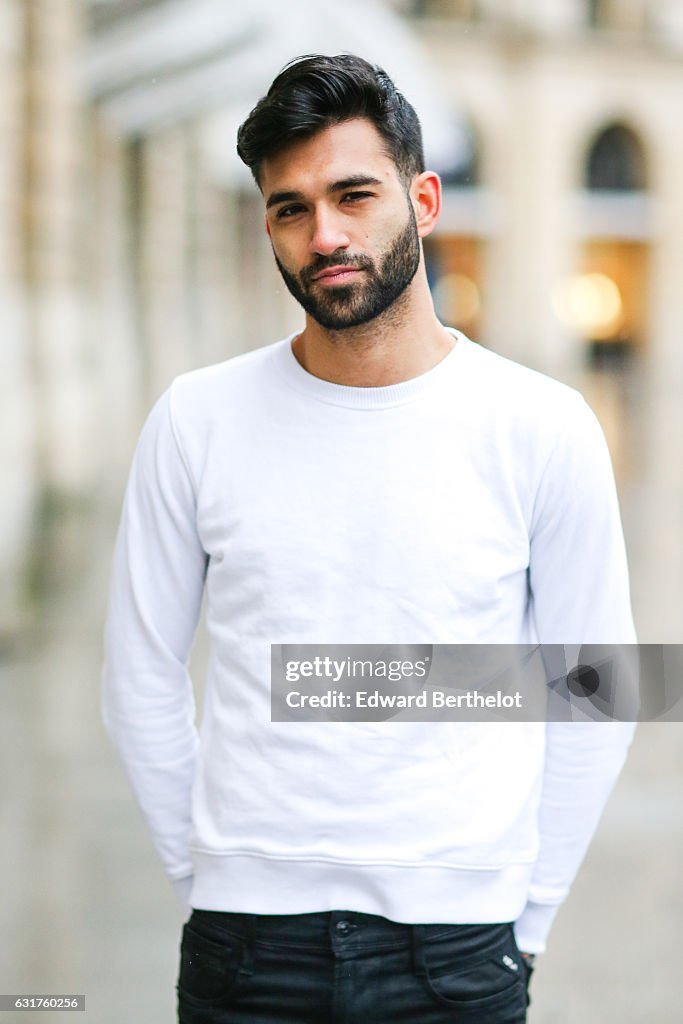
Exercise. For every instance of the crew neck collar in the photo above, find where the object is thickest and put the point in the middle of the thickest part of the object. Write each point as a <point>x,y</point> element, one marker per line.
<point>367,397</point>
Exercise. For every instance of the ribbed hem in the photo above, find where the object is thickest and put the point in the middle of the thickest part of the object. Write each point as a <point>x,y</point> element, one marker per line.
<point>371,397</point>
<point>249,884</point>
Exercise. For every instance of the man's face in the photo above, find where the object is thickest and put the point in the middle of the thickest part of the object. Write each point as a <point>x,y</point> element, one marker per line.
<point>343,230</point>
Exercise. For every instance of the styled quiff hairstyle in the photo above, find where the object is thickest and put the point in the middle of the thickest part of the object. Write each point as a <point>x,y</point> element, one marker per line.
<point>314,92</point>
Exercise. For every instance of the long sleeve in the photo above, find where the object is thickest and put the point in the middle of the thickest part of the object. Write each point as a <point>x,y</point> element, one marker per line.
<point>158,574</point>
<point>580,592</point>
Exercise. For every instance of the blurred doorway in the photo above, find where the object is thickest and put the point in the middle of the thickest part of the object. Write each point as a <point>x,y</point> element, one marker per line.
<point>607,300</point>
<point>455,252</point>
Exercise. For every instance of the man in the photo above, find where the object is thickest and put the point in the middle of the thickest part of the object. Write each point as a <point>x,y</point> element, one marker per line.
<point>376,479</point>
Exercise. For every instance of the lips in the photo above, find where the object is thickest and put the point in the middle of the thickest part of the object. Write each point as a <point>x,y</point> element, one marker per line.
<point>336,275</point>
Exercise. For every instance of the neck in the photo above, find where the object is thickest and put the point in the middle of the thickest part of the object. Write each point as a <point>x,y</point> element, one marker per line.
<point>403,342</point>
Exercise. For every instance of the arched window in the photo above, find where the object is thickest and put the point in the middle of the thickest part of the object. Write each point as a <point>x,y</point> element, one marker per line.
<point>616,161</point>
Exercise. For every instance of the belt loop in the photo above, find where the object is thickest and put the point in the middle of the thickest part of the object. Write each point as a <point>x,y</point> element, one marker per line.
<point>418,951</point>
<point>247,960</point>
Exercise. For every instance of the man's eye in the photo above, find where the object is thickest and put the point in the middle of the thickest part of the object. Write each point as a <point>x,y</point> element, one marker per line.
<point>288,211</point>
<point>355,196</point>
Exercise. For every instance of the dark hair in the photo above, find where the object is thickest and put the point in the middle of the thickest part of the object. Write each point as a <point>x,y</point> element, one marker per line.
<point>314,92</point>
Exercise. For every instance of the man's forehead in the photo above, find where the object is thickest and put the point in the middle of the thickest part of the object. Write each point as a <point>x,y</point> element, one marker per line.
<point>350,149</point>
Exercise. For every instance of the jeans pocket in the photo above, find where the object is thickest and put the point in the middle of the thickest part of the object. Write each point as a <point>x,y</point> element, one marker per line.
<point>492,979</point>
<point>528,969</point>
<point>209,966</point>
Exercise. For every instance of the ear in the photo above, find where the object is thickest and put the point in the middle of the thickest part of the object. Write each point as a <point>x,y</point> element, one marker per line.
<point>267,226</point>
<point>425,193</point>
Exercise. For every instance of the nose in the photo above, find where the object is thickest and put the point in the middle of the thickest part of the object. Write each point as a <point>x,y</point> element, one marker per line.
<point>328,233</point>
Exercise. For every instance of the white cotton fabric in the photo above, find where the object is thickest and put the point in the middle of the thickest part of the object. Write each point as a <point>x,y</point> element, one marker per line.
<point>472,504</point>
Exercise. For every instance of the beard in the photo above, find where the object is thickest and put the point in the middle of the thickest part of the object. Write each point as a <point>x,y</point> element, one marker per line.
<point>345,306</point>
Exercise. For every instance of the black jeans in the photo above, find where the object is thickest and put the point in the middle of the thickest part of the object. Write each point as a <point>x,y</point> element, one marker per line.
<point>347,968</point>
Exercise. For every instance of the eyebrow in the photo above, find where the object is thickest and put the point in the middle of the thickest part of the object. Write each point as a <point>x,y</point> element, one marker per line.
<point>354,181</point>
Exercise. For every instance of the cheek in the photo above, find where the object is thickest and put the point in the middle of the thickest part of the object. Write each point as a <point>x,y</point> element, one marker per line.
<point>386,236</point>
<point>288,255</point>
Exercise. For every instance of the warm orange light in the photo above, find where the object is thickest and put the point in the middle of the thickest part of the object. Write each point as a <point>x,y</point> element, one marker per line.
<point>589,303</point>
<point>456,298</point>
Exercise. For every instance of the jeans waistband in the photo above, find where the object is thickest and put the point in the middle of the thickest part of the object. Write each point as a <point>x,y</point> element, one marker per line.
<point>326,929</point>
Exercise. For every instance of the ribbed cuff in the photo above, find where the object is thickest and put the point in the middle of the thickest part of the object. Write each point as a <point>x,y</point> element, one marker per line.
<point>183,889</point>
<point>533,924</point>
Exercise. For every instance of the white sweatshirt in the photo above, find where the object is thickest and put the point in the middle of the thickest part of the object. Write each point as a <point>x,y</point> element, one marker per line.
<point>472,504</point>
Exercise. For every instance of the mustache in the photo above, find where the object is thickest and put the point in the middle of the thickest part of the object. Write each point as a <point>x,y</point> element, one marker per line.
<point>341,259</point>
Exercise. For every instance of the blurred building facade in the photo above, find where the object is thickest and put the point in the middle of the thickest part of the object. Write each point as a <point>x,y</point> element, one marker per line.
<point>131,242</point>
